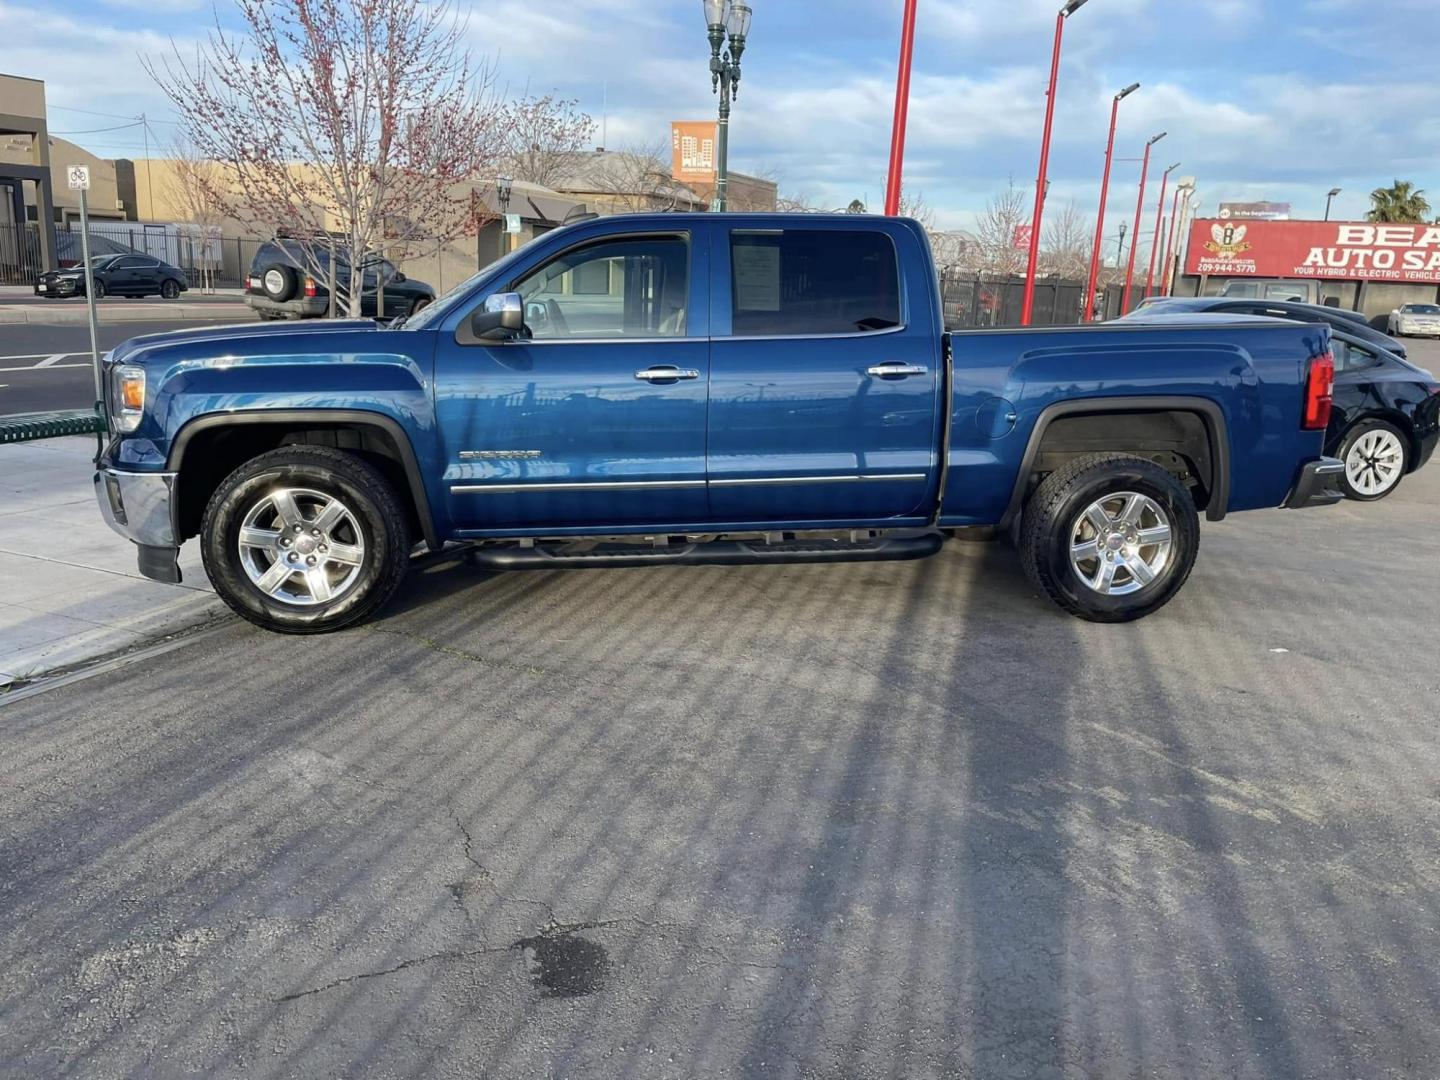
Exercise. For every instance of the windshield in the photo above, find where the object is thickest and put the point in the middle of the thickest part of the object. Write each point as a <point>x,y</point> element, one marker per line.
<point>1421,309</point>
<point>99,262</point>
<point>434,313</point>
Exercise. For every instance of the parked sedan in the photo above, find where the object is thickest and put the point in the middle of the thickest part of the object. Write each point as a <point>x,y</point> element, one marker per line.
<point>1385,420</point>
<point>1351,322</point>
<point>115,275</point>
<point>1415,320</point>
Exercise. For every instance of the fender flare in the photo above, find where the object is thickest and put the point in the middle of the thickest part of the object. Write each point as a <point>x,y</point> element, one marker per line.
<point>349,417</point>
<point>1210,415</point>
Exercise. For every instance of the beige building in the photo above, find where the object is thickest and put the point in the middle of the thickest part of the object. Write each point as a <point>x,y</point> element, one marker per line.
<point>25,178</point>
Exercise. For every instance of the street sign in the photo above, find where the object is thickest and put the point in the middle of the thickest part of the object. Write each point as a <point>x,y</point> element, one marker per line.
<point>78,177</point>
<point>1020,238</point>
<point>512,223</point>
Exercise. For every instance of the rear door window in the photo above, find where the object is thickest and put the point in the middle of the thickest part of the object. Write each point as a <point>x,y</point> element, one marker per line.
<point>812,281</point>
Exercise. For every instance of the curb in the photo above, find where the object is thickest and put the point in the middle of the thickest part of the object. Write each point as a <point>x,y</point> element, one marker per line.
<point>50,315</point>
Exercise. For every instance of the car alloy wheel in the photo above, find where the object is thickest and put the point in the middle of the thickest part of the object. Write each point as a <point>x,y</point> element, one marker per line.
<point>1120,543</point>
<point>1375,463</point>
<point>170,290</point>
<point>301,547</point>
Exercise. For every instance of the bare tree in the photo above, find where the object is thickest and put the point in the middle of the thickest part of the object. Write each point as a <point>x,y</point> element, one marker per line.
<point>191,186</point>
<point>541,135</point>
<point>1065,246</point>
<point>341,122</point>
<point>638,179</point>
<point>1004,213</point>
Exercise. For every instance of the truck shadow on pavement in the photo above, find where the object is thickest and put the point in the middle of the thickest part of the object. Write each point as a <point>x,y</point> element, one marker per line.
<point>883,819</point>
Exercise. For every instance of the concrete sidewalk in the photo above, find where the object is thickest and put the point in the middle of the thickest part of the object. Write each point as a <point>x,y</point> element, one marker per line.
<point>69,589</point>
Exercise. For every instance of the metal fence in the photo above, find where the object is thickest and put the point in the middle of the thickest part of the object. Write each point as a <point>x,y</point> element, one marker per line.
<point>972,301</point>
<point>191,248</point>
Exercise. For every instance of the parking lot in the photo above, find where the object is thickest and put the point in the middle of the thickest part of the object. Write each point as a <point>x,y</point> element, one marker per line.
<point>896,819</point>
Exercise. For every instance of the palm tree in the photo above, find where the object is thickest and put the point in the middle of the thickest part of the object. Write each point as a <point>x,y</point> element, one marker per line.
<point>1399,202</point>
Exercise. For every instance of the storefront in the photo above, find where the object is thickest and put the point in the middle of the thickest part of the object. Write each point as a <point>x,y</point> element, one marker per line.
<point>1365,266</point>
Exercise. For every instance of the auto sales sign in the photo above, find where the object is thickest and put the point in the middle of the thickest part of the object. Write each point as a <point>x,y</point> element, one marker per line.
<point>1356,251</point>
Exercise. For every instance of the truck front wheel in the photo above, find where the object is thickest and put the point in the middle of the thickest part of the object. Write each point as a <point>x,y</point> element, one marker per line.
<point>1110,537</point>
<point>305,539</point>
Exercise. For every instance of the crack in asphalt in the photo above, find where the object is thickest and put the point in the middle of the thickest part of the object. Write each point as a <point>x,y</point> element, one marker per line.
<point>449,650</point>
<point>414,961</point>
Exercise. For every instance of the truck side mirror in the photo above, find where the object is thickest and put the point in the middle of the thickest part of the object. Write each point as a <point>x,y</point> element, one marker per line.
<point>502,316</point>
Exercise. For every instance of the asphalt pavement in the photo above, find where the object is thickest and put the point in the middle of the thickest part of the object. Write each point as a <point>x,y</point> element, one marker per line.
<point>44,367</point>
<point>898,819</point>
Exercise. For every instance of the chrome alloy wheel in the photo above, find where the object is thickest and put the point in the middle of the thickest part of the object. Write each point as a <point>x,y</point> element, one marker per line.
<point>1120,543</point>
<point>301,547</point>
<point>1374,462</point>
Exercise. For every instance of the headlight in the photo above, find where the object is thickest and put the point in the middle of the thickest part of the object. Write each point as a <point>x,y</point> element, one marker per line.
<point>128,404</point>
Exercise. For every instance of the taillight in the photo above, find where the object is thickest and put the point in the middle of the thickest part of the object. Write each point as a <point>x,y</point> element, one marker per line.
<point>310,289</point>
<point>1318,386</point>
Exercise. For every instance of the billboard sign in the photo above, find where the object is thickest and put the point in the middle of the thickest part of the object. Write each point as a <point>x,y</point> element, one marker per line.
<point>1347,250</point>
<point>1255,211</point>
<point>693,150</point>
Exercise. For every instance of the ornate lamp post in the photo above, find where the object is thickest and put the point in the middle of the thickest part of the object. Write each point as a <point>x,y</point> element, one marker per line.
<point>722,18</point>
<point>503,187</point>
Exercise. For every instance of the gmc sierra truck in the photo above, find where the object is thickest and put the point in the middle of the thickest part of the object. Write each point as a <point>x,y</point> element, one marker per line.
<point>709,388</point>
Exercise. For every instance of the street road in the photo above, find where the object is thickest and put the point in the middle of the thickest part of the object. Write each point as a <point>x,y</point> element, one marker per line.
<point>44,367</point>
<point>869,821</point>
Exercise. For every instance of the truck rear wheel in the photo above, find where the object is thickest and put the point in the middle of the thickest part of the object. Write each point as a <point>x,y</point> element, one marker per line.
<point>1110,537</point>
<point>305,539</point>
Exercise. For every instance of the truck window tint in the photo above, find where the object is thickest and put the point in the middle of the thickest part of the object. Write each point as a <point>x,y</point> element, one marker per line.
<point>812,281</point>
<point>616,288</point>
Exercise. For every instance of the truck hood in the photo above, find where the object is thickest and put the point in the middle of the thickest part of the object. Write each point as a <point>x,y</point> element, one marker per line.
<point>238,339</point>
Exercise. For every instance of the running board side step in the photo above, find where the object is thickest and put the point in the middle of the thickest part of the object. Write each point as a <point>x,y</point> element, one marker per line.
<point>564,556</point>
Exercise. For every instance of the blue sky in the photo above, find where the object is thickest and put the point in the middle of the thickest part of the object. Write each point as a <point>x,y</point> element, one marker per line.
<point>1262,99</point>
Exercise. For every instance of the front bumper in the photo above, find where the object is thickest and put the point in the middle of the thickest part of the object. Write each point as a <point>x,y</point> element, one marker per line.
<point>1318,485</point>
<point>139,506</point>
<point>60,287</point>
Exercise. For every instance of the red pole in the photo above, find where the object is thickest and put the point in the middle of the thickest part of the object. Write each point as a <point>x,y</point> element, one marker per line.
<point>1159,228</point>
<point>902,107</point>
<point>1135,233</point>
<point>1169,242</point>
<point>1095,251</point>
<point>1035,219</point>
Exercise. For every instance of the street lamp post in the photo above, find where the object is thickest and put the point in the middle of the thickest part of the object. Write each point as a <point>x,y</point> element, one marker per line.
<point>1166,277</point>
<point>1155,244</point>
<point>1028,305</point>
<point>503,187</point>
<point>1329,198</point>
<point>1104,193</point>
<point>894,178</point>
<point>1135,232</point>
<point>725,18</point>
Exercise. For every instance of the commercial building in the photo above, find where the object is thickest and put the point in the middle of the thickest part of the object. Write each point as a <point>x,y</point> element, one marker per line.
<point>1365,266</point>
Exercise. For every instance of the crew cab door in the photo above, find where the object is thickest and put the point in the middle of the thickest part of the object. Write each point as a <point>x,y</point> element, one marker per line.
<point>823,383</point>
<point>596,416</point>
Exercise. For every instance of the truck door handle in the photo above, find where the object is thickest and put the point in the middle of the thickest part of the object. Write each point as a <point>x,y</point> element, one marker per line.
<point>666,373</point>
<point>895,369</point>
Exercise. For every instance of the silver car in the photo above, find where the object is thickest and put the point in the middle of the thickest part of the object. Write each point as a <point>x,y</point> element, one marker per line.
<point>1415,320</point>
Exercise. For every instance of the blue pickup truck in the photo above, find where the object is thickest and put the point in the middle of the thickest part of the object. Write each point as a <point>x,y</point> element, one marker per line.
<point>707,388</point>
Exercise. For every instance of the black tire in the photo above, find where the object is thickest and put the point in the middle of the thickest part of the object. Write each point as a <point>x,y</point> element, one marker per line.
<point>170,289</point>
<point>279,281</point>
<point>99,290</point>
<point>377,515</point>
<point>1347,445</point>
<point>1054,514</point>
